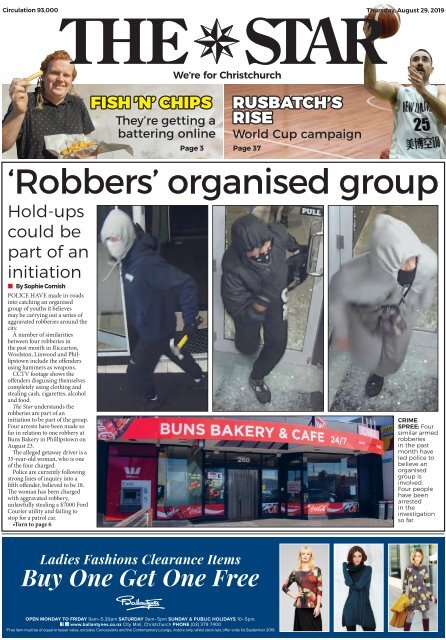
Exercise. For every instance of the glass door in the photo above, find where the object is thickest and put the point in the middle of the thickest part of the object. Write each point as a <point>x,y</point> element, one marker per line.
<point>270,493</point>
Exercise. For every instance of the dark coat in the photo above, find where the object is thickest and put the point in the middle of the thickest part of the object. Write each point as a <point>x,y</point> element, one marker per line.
<point>244,281</point>
<point>357,608</point>
<point>152,287</point>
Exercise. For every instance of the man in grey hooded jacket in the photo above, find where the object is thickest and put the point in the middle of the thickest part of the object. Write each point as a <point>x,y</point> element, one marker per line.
<point>375,299</point>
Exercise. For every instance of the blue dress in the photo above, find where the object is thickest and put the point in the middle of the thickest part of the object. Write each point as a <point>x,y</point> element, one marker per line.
<point>357,608</point>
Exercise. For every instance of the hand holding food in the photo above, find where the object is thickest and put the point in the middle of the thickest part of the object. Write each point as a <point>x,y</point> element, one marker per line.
<point>17,91</point>
<point>18,95</point>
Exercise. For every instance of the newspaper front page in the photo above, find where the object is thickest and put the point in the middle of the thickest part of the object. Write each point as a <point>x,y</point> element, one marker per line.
<point>223,320</point>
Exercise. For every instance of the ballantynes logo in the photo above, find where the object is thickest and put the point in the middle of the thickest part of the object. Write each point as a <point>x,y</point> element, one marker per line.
<point>216,41</point>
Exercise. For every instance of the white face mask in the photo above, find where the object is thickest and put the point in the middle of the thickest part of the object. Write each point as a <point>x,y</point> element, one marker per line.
<point>116,249</point>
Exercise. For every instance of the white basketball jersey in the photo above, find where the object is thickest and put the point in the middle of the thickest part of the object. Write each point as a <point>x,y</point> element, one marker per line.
<point>417,134</point>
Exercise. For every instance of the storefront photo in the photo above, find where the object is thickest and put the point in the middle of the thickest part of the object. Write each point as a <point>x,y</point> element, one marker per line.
<point>209,471</point>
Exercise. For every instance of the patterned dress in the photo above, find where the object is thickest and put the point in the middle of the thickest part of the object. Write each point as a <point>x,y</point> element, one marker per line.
<point>416,584</point>
<point>310,583</point>
<point>310,587</point>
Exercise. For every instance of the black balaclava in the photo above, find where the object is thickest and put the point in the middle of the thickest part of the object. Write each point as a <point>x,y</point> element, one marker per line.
<point>406,278</point>
<point>263,259</point>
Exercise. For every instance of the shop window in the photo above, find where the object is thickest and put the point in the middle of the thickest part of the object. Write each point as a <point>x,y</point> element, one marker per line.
<point>270,461</point>
<point>214,492</point>
<point>180,484</point>
<point>294,485</point>
<point>332,479</point>
<point>270,492</point>
<point>294,489</point>
<point>176,487</point>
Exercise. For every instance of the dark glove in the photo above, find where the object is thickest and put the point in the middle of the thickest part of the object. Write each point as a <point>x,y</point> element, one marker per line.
<point>190,329</point>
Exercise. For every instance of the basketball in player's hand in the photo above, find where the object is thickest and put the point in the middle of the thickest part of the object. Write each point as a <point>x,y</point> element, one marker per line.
<point>388,17</point>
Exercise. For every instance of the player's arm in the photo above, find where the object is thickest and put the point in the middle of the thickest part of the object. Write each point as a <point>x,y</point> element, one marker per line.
<point>436,103</point>
<point>379,88</point>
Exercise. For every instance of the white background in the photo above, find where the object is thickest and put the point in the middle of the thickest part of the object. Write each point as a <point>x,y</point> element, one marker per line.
<point>28,37</point>
<point>375,559</point>
<point>289,562</point>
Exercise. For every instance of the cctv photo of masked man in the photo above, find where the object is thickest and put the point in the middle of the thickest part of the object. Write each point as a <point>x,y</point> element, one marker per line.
<point>383,351</point>
<point>162,313</point>
<point>262,269</point>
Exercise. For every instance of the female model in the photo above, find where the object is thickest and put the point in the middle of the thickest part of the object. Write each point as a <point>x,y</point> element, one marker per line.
<point>357,576</point>
<point>416,584</point>
<point>308,599</point>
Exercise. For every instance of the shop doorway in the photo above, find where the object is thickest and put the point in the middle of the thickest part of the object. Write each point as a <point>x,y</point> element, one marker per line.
<point>243,494</point>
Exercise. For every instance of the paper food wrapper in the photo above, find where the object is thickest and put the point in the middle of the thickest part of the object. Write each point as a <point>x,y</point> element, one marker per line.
<point>56,144</point>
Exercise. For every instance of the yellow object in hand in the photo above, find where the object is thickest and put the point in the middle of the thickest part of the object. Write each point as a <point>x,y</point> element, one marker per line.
<point>182,342</point>
<point>38,74</point>
<point>79,145</point>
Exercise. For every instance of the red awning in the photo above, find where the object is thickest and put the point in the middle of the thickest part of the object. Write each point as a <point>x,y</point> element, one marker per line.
<point>193,429</point>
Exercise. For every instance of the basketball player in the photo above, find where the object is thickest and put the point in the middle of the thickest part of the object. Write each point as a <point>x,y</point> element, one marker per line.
<point>419,111</point>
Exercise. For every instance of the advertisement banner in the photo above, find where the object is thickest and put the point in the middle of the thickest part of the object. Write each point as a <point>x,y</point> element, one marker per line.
<point>139,587</point>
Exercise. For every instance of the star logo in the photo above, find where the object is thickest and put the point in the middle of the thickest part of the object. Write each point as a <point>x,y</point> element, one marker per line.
<point>216,41</point>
